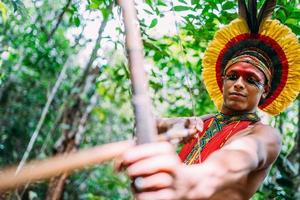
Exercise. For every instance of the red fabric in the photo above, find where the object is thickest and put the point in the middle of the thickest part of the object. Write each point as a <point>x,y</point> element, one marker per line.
<point>184,152</point>
<point>221,137</point>
<point>216,141</point>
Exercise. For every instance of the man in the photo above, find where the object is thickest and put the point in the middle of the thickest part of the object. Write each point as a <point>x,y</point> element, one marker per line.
<point>248,65</point>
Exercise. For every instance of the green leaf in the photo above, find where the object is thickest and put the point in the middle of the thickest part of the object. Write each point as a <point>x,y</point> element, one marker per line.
<point>295,15</point>
<point>20,8</point>
<point>157,11</point>
<point>3,10</point>
<point>153,23</point>
<point>161,3</point>
<point>77,21</point>
<point>195,2</point>
<point>192,16</point>
<point>295,28</point>
<point>97,2</point>
<point>93,6</point>
<point>292,21</point>
<point>105,13</point>
<point>182,1</point>
<point>182,8</point>
<point>74,8</point>
<point>228,5</point>
<point>281,15</point>
<point>149,2</point>
<point>149,12</point>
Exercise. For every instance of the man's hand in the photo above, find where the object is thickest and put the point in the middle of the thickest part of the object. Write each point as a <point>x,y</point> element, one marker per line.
<point>179,129</point>
<point>153,168</point>
<point>158,173</point>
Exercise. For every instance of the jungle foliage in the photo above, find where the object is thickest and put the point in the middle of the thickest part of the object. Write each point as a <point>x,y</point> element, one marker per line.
<point>79,47</point>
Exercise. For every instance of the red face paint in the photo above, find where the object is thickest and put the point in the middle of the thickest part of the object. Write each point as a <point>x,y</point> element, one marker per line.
<point>251,75</point>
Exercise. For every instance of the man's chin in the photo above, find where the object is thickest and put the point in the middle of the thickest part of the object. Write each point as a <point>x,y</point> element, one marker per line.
<point>236,107</point>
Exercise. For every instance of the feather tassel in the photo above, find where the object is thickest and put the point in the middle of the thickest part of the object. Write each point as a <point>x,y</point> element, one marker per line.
<point>266,10</point>
<point>252,7</point>
<point>243,12</point>
<point>249,13</point>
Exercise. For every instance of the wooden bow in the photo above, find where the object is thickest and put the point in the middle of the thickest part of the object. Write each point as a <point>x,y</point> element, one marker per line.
<point>145,124</point>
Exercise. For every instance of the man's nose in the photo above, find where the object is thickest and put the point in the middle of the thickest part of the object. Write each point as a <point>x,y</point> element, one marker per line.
<point>239,83</point>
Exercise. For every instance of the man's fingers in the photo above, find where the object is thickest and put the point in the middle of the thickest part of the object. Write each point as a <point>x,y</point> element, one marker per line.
<point>162,163</point>
<point>180,135</point>
<point>173,134</point>
<point>196,123</point>
<point>153,182</point>
<point>146,150</point>
<point>118,163</point>
<point>163,194</point>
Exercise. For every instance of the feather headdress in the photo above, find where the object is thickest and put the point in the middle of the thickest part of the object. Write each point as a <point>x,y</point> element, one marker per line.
<point>256,31</point>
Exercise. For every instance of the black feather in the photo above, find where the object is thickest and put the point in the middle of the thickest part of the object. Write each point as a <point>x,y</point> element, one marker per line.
<point>244,12</point>
<point>252,5</point>
<point>249,12</point>
<point>242,9</point>
<point>266,10</point>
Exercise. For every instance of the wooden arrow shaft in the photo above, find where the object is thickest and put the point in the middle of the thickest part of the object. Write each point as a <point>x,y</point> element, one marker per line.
<point>38,170</point>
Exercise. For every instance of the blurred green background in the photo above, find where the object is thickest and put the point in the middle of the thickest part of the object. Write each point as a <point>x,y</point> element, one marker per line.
<point>64,83</point>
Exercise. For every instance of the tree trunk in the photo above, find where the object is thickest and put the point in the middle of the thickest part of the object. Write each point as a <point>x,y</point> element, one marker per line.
<point>56,184</point>
<point>75,116</point>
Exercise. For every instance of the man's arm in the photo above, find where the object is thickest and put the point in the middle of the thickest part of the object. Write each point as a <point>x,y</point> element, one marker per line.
<point>165,177</point>
<point>231,166</point>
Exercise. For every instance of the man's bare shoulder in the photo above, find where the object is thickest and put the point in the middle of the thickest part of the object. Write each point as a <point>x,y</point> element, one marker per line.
<point>269,140</point>
<point>265,139</point>
<point>270,133</point>
<point>259,130</point>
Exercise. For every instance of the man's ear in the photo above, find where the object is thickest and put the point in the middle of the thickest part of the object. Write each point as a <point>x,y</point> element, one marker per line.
<point>223,82</point>
<point>265,92</point>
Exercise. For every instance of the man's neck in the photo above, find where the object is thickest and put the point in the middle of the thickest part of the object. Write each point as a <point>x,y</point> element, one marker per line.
<point>228,111</point>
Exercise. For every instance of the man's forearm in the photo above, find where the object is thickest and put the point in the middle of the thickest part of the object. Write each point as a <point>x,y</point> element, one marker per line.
<point>222,170</point>
<point>231,166</point>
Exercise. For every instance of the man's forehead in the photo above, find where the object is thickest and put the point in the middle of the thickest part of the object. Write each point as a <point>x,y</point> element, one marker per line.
<point>245,68</point>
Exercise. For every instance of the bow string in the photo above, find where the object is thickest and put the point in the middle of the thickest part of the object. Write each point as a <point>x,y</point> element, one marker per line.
<point>186,74</point>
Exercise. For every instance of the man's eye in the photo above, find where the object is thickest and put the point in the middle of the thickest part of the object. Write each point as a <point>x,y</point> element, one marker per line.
<point>251,80</point>
<point>232,77</point>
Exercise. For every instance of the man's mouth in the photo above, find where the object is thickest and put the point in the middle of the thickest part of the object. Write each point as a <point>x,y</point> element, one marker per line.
<point>236,94</point>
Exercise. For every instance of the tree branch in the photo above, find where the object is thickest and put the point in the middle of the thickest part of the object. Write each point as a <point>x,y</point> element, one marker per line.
<point>59,20</point>
<point>43,116</point>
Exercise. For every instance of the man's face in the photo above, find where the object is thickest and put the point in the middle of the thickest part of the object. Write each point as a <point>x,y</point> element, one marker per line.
<point>243,87</point>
